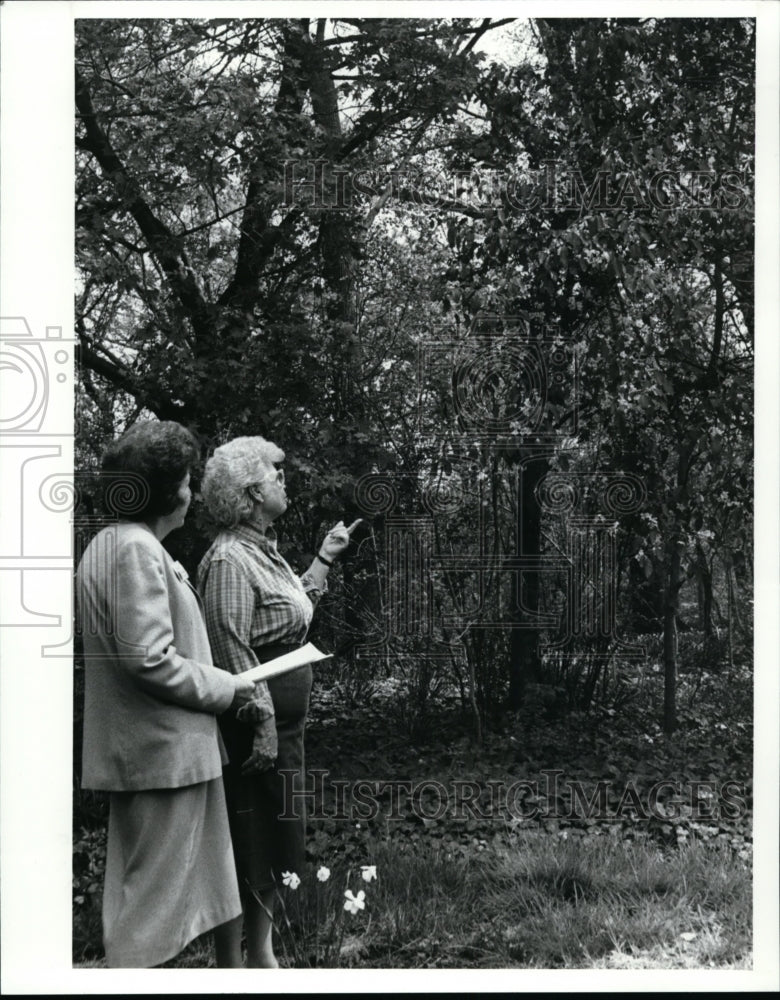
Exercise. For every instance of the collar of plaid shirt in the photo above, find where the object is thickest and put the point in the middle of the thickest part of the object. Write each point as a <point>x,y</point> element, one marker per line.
<point>253,534</point>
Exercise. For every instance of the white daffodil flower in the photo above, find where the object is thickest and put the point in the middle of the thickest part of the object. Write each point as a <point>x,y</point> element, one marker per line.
<point>354,903</point>
<point>291,879</point>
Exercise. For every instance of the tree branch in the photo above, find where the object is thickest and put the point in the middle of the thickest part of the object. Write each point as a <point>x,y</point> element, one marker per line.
<point>156,401</point>
<point>717,340</point>
<point>478,31</point>
<point>163,244</point>
<point>257,241</point>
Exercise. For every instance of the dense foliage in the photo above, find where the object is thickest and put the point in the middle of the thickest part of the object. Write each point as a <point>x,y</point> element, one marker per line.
<point>450,287</point>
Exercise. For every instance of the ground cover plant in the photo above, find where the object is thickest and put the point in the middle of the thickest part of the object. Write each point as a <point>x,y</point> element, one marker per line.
<point>495,890</point>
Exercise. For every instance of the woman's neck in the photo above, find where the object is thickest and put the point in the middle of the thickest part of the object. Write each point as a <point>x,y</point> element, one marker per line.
<point>160,527</point>
<point>259,521</point>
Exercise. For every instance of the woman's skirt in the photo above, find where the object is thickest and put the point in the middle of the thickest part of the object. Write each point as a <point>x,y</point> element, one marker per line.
<point>267,811</point>
<point>170,873</point>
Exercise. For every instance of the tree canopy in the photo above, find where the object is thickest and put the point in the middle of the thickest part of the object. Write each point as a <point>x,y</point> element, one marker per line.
<point>360,236</point>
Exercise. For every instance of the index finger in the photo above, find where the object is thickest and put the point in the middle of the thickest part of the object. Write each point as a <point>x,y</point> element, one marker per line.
<point>354,525</point>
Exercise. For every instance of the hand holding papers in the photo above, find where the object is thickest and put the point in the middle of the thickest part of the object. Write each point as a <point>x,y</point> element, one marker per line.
<point>290,661</point>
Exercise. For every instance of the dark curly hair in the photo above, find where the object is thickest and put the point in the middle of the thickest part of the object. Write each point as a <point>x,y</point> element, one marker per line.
<point>144,468</point>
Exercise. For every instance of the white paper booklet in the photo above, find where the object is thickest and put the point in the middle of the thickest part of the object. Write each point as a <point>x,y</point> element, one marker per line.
<point>290,661</point>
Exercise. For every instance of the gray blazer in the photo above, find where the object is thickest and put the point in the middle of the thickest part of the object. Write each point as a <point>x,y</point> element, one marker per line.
<point>151,691</point>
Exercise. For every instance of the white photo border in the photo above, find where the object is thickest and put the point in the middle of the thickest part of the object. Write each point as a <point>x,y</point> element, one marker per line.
<point>36,285</point>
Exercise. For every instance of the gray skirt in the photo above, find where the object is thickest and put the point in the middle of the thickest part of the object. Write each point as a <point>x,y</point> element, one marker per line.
<point>170,874</point>
<point>267,811</point>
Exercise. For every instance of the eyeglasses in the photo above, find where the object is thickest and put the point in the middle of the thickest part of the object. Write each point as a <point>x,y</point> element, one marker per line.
<point>276,477</point>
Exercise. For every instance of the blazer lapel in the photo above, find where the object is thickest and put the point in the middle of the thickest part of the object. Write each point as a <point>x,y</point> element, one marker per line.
<point>183,575</point>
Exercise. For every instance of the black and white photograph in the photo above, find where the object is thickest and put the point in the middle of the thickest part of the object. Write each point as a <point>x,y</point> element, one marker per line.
<point>390,570</point>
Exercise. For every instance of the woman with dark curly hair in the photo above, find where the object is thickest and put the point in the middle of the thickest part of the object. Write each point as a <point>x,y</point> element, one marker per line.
<point>152,695</point>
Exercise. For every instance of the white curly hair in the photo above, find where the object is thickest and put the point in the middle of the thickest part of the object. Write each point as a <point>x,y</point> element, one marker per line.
<point>232,468</point>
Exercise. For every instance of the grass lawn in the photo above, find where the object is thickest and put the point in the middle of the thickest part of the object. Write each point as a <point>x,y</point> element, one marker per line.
<point>543,902</point>
<point>499,890</point>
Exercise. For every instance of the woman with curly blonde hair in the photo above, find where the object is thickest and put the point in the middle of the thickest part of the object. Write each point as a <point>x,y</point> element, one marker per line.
<point>257,608</point>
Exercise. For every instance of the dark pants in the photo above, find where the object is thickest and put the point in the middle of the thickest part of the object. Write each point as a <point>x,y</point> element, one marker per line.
<point>267,823</point>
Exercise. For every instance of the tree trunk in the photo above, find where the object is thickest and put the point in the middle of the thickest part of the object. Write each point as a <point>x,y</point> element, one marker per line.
<point>670,639</point>
<point>676,547</point>
<point>731,615</point>
<point>473,702</point>
<point>704,590</point>
<point>524,657</point>
<point>645,597</point>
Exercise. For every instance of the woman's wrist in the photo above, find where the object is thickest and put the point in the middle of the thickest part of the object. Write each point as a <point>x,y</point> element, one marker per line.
<point>324,561</point>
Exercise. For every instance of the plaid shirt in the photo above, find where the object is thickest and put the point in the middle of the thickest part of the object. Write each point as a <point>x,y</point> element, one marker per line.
<point>252,598</point>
